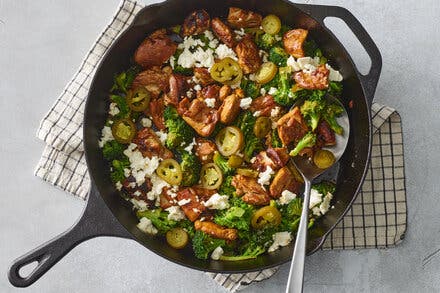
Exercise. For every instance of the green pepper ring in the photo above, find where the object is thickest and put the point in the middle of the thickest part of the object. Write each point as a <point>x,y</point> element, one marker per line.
<point>120,134</point>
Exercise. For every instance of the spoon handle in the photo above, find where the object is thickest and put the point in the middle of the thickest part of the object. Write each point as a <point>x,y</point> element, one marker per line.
<point>296,274</point>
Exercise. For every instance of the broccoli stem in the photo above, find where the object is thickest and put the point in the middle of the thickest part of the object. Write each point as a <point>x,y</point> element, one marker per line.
<point>308,140</point>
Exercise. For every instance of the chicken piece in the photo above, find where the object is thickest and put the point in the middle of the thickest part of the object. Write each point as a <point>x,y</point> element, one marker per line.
<point>275,158</point>
<point>178,86</point>
<point>225,91</point>
<point>205,149</point>
<point>325,135</point>
<point>196,23</point>
<point>154,79</point>
<point>149,144</point>
<point>229,109</point>
<point>155,49</point>
<point>203,193</point>
<point>223,32</point>
<point>166,200</point>
<point>253,193</point>
<point>283,180</point>
<point>315,80</point>
<point>291,127</point>
<point>264,105</point>
<point>203,76</point>
<point>155,110</point>
<point>130,188</point>
<point>248,56</point>
<point>215,230</point>
<point>199,116</point>
<point>210,92</point>
<point>194,207</point>
<point>293,41</point>
<point>240,18</point>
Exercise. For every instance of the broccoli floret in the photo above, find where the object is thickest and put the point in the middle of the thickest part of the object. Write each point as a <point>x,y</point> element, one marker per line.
<point>118,166</point>
<point>203,244</point>
<point>315,95</point>
<point>325,187</point>
<point>254,242</point>
<point>159,218</point>
<point>190,166</point>
<point>310,48</point>
<point>121,102</point>
<point>284,95</point>
<point>312,111</point>
<point>226,188</point>
<point>250,88</point>
<point>265,41</point>
<point>251,252</point>
<point>335,88</point>
<point>330,114</point>
<point>179,133</point>
<point>222,163</point>
<point>275,139</point>
<point>284,29</point>
<point>188,226</point>
<point>278,56</point>
<point>123,81</point>
<point>308,140</point>
<point>252,144</point>
<point>237,216</point>
<point>112,150</point>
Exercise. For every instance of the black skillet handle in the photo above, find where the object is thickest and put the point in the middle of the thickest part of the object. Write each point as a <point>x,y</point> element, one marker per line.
<point>96,220</point>
<point>369,81</point>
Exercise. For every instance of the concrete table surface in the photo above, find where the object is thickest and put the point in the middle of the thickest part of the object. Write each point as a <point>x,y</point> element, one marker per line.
<point>41,45</point>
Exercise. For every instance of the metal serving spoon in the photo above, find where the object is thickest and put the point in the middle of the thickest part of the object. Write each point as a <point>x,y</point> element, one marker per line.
<point>309,172</point>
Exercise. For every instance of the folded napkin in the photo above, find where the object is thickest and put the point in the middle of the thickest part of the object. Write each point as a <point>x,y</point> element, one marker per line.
<point>377,218</point>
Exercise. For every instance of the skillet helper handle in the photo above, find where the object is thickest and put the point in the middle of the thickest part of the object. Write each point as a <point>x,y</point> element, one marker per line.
<point>96,220</point>
<point>370,80</point>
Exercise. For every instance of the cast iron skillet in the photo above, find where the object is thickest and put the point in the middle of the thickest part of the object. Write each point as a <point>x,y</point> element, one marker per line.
<point>107,214</point>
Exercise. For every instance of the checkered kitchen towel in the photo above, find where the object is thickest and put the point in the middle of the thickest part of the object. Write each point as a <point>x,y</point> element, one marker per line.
<point>376,220</point>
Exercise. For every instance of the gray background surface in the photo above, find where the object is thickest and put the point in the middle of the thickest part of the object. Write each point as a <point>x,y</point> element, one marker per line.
<point>41,45</point>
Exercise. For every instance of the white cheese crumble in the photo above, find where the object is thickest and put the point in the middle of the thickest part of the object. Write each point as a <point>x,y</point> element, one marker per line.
<point>264,177</point>
<point>190,147</point>
<point>308,64</point>
<point>114,110</point>
<point>106,135</point>
<point>223,51</point>
<point>183,202</point>
<point>197,87</point>
<point>325,205</point>
<point>210,102</point>
<point>319,204</point>
<point>262,91</point>
<point>280,239</point>
<point>272,91</point>
<point>175,213</point>
<point>257,113</point>
<point>172,61</point>
<point>315,198</point>
<point>162,136</point>
<point>217,202</point>
<point>157,185</point>
<point>217,253</point>
<point>245,103</point>
<point>275,112</point>
<point>334,74</point>
<point>286,197</point>
<point>145,225</point>
<point>139,204</point>
<point>146,122</point>
<point>140,166</point>
<point>198,58</point>
<point>118,185</point>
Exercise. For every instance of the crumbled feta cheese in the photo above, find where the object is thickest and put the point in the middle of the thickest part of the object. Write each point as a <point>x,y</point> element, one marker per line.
<point>257,113</point>
<point>264,177</point>
<point>253,160</point>
<point>132,184</point>
<point>217,202</point>
<point>183,202</point>
<point>245,103</point>
<point>114,110</point>
<point>223,51</point>
<point>139,204</point>
<point>162,136</point>
<point>209,35</point>
<point>278,38</point>
<point>272,91</point>
<point>334,74</point>
<point>275,112</point>
<point>263,54</point>
<point>157,185</point>
<point>140,166</point>
<point>293,64</point>
<point>309,68</point>
<point>315,198</point>
<point>118,185</point>
<point>217,253</point>
<point>189,94</point>
<point>175,213</point>
<point>146,122</point>
<point>240,32</point>
<point>197,87</point>
<point>325,205</point>
<point>304,61</point>
<point>137,193</point>
<point>145,225</point>
<point>252,76</point>
<point>172,192</point>
<point>190,147</point>
<point>286,197</point>
<point>210,102</point>
<point>198,58</point>
<point>172,61</point>
<point>280,239</point>
<point>106,135</point>
<point>262,91</point>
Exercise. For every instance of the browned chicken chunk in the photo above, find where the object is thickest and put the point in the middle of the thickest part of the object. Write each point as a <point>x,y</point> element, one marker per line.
<point>253,193</point>
<point>203,76</point>
<point>178,86</point>
<point>248,57</point>
<point>293,41</point>
<point>315,80</point>
<point>205,149</point>
<point>275,158</point>
<point>193,206</point>
<point>325,135</point>
<point>166,200</point>
<point>225,91</point>
<point>264,104</point>
<point>291,127</point>
<point>155,110</point>
<point>215,230</point>
<point>210,92</point>
<point>154,79</point>
<point>198,115</point>
<point>149,144</point>
<point>223,32</point>
<point>240,18</point>
<point>130,188</point>
<point>229,109</point>
<point>283,180</point>
<point>155,49</point>
<point>196,23</point>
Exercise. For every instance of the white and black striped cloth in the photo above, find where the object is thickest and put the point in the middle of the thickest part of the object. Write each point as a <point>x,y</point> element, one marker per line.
<point>376,220</point>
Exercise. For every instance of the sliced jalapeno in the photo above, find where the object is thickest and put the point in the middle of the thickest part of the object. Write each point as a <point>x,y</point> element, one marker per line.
<point>266,73</point>
<point>229,140</point>
<point>247,172</point>
<point>226,71</point>
<point>211,176</point>
<point>138,99</point>
<point>271,24</point>
<point>123,130</point>
<point>265,217</point>
<point>170,171</point>
<point>177,238</point>
<point>235,161</point>
<point>262,126</point>
<point>323,159</point>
